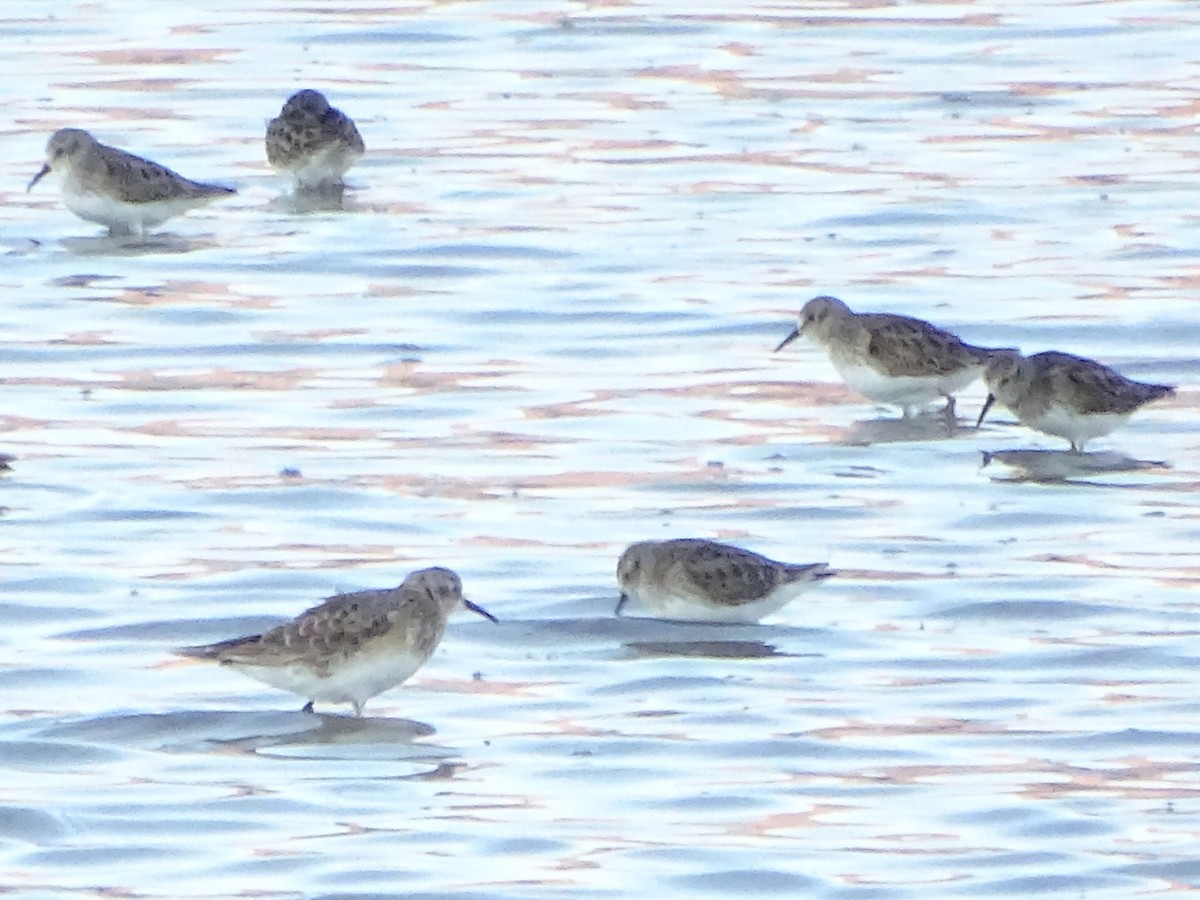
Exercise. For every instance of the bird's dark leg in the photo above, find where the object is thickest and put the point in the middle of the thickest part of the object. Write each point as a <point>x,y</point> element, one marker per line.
<point>307,707</point>
<point>948,411</point>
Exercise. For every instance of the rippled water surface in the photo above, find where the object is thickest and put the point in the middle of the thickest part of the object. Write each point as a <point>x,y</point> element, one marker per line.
<point>542,329</point>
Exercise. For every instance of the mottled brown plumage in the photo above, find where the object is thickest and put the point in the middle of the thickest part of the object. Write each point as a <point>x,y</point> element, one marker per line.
<point>352,646</point>
<point>692,579</point>
<point>111,187</point>
<point>312,141</point>
<point>1065,395</point>
<point>334,630</point>
<point>891,358</point>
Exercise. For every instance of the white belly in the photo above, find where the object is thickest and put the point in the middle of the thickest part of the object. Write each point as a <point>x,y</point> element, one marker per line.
<point>1077,428</point>
<point>133,218</point>
<point>355,681</point>
<point>909,391</point>
<point>656,604</point>
<point>325,167</point>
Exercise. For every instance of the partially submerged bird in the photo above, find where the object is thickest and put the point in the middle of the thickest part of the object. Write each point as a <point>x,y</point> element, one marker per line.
<point>123,192</point>
<point>352,646</point>
<point>891,359</point>
<point>313,142</point>
<point>696,580</point>
<point>1065,395</point>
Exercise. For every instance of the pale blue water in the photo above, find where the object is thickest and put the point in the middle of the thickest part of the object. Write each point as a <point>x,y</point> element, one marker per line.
<point>542,330</point>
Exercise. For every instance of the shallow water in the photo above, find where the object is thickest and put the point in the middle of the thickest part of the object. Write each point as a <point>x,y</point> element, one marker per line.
<point>540,330</point>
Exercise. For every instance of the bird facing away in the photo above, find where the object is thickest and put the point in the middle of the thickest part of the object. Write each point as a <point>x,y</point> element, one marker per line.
<point>352,646</point>
<point>124,192</point>
<point>695,580</point>
<point>891,359</point>
<point>1065,395</point>
<point>313,142</point>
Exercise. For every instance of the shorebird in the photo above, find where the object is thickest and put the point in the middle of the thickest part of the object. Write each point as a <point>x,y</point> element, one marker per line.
<point>891,359</point>
<point>352,646</point>
<point>313,142</point>
<point>126,193</point>
<point>1065,395</point>
<point>695,580</point>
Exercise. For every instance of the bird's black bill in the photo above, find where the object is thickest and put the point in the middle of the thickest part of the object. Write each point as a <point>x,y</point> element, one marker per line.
<point>621,604</point>
<point>787,340</point>
<point>987,404</point>
<point>45,170</point>
<point>475,608</point>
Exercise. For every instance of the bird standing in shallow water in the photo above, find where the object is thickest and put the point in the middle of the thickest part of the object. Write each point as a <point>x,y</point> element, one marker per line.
<point>313,142</point>
<point>1065,395</point>
<point>126,193</point>
<point>695,580</point>
<point>352,646</point>
<point>891,359</point>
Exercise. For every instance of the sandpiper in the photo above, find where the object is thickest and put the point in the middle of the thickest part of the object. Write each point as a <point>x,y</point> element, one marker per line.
<point>1065,395</point>
<point>695,580</point>
<point>313,142</point>
<point>352,646</point>
<point>124,192</point>
<point>891,359</point>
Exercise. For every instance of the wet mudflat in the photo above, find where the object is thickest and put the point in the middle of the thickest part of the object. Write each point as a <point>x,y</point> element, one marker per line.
<point>541,329</point>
